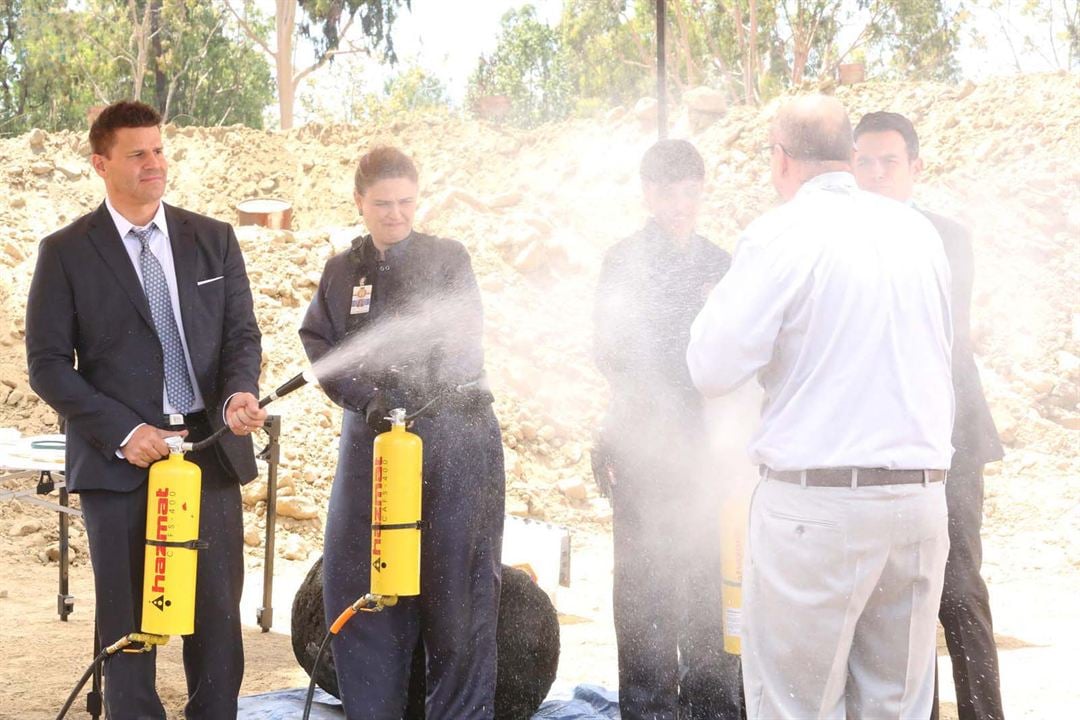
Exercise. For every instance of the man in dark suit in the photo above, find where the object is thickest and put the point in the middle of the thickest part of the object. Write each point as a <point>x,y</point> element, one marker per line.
<point>139,326</point>
<point>887,162</point>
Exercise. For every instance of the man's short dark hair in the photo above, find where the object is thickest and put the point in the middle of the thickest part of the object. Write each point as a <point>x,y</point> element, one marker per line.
<point>671,161</point>
<point>123,114</point>
<point>381,163</point>
<point>882,121</point>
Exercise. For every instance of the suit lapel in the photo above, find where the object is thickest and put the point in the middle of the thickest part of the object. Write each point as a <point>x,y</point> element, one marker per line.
<point>184,252</point>
<point>182,240</point>
<point>111,248</point>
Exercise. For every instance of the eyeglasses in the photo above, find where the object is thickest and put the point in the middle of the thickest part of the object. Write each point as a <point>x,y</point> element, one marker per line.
<point>765,151</point>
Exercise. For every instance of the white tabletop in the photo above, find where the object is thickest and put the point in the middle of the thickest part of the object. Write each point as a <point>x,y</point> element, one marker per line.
<point>18,453</point>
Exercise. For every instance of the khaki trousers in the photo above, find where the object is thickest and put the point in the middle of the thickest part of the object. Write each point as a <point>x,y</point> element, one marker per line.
<point>841,594</point>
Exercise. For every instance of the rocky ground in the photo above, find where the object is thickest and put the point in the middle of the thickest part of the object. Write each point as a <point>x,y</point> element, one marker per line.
<point>537,209</point>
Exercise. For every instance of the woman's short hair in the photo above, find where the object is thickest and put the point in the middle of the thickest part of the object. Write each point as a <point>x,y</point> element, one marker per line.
<point>380,163</point>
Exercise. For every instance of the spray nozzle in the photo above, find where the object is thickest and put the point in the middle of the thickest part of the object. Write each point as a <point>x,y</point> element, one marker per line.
<point>297,381</point>
<point>397,417</point>
<point>176,444</point>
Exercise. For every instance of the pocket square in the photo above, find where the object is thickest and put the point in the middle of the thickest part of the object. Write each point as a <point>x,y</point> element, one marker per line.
<point>209,280</point>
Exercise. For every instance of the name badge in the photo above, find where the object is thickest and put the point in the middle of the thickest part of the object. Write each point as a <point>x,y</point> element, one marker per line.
<point>361,299</point>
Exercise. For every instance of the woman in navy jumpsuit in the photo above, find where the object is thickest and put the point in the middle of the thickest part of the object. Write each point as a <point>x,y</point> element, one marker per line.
<point>409,305</point>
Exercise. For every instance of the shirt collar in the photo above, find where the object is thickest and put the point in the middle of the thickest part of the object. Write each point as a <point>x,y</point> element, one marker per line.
<point>365,246</point>
<point>123,225</point>
<point>841,180</point>
<point>396,250</point>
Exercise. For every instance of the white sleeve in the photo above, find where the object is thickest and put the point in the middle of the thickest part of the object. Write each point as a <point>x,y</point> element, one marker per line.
<point>733,336</point>
<point>119,452</point>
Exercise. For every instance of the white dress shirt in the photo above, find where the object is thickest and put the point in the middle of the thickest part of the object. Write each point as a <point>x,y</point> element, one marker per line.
<point>839,301</point>
<point>159,245</point>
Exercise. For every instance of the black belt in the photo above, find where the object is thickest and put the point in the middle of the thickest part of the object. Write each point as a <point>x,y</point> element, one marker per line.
<point>853,477</point>
<point>179,420</point>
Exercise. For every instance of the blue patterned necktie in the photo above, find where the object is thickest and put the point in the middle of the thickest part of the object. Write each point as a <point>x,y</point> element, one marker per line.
<point>177,380</point>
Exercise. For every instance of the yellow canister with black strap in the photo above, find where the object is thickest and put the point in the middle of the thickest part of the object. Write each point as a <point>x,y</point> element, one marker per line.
<point>172,544</point>
<point>395,510</point>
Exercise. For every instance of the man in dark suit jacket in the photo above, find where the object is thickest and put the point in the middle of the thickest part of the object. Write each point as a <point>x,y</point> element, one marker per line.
<point>139,326</point>
<point>887,162</point>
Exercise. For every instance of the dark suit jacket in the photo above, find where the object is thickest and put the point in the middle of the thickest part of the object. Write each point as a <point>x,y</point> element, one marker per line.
<point>95,358</point>
<point>974,435</point>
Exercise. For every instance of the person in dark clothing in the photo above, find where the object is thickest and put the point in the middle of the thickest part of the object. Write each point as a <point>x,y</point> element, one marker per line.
<point>651,455</point>
<point>140,327</point>
<point>408,308</point>
<point>887,162</point>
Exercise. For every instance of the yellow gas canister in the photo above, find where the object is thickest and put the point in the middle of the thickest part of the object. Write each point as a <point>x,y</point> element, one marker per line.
<point>395,510</point>
<point>172,541</point>
<point>733,515</point>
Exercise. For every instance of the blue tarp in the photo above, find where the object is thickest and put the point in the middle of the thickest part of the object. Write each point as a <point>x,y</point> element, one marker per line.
<point>289,705</point>
<point>588,702</point>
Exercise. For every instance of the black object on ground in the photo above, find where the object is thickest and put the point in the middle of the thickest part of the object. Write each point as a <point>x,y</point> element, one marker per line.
<point>527,638</point>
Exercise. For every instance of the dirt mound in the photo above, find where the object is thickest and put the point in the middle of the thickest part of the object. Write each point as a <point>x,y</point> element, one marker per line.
<point>537,209</point>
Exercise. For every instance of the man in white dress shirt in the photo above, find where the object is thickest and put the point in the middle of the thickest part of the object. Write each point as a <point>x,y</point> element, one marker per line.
<point>838,301</point>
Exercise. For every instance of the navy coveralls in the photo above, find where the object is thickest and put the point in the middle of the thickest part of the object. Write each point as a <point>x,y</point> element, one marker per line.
<point>665,496</point>
<point>424,317</point>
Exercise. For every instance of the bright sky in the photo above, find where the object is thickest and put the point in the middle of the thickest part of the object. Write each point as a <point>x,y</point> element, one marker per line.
<point>448,37</point>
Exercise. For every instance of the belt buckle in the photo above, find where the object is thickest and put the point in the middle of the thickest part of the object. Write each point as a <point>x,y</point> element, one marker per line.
<point>176,419</point>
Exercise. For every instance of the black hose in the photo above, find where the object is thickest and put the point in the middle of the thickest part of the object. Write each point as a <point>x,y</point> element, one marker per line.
<point>295,382</point>
<point>440,396</point>
<point>314,668</point>
<point>208,441</point>
<point>86,676</point>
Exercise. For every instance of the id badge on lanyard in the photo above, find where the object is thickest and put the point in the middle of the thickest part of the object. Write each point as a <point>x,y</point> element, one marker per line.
<point>361,297</point>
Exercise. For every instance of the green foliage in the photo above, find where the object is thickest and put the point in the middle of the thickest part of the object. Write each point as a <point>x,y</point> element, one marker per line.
<point>331,16</point>
<point>608,52</point>
<point>10,12</point>
<point>528,67</point>
<point>753,49</point>
<point>61,61</point>
<point>414,89</point>
<point>915,38</point>
<point>410,90</point>
<point>56,73</point>
<point>214,76</point>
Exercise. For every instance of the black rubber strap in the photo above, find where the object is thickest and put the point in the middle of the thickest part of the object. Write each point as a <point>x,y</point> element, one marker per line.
<point>195,544</point>
<point>418,525</point>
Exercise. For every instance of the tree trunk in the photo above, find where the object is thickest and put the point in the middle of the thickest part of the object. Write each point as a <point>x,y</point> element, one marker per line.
<point>800,55</point>
<point>285,23</point>
<point>142,43</point>
<point>753,60</point>
<point>160,81</point>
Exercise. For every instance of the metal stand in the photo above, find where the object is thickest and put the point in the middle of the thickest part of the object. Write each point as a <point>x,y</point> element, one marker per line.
<point>65,601</point>
<point>264,615</point>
